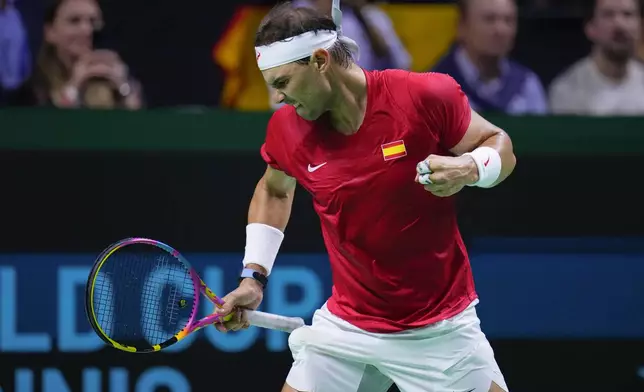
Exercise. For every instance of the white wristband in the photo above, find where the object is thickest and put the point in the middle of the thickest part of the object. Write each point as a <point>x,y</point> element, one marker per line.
<point>488,162</point>
<point>262,244</point>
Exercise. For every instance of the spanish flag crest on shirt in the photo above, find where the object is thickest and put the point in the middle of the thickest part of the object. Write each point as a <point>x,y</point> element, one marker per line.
<point>393,150</point>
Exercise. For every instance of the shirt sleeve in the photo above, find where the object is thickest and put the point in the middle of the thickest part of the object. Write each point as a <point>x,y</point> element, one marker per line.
<point>443,104</point>
<point>272,150</point>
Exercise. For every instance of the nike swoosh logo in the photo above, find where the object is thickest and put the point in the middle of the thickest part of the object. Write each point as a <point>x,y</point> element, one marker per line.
<point>485,164</point>
<point>314,168</point>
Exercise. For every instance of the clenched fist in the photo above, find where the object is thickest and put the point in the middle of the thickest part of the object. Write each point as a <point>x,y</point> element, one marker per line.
<point>248,295</point>
<point>446,176</point>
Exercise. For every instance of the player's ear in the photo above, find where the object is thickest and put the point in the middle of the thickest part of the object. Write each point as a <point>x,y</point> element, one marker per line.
<point>321,60</point>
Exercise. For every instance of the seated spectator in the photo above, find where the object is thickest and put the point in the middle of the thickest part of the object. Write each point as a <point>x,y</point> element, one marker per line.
<point>609,81</point>
<point>479,61</point>
<point>67,61</point>
<point>15,58</point>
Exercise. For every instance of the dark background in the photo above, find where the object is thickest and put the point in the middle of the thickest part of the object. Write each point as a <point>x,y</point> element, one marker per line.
<point>205,207</point>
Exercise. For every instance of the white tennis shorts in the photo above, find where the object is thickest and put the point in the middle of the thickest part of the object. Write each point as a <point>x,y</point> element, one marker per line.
<point>452,355</point>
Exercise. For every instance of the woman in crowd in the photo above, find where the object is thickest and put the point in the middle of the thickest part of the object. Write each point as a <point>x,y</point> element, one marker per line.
<point>70,71</point>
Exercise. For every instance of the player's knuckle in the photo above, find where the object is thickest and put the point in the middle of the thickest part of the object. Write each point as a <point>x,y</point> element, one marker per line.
<point>437,178</point>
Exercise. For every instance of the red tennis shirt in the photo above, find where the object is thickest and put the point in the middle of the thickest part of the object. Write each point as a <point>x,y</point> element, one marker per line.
<point>397,257</point>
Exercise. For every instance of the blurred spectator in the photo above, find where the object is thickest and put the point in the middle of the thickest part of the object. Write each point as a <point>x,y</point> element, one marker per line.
<point>371,28</point>
<point>640,47</point>
<point>609,81</point>
<point>68,64</point>
<point>479,61</point>
<point>15,58</point>
<point>100,94</point>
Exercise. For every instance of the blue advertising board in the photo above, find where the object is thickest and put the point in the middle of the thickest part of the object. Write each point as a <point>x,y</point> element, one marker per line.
<point>529,289</point>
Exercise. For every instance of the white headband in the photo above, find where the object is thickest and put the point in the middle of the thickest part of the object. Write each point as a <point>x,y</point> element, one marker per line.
<point>303,45</point>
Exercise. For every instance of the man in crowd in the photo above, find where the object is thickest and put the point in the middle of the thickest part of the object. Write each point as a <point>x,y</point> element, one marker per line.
<point>609,81</point>
<point>479,61</point>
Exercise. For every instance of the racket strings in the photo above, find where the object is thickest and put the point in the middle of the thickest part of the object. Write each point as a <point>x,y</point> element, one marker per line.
<point>178,281</point>
<point>103,292</point>
<point>143,295</point>
<point>115,287</point>
<point>172,307</point>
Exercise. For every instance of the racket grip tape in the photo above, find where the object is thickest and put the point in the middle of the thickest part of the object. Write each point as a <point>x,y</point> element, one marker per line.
<point>273,321</point>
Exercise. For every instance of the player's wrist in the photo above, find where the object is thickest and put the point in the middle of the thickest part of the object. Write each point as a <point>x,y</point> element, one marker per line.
<point>257,268</point>
<point>472,170</point>
<point>262,244</point>
<point>488,162</point>
<point>254,275</point>
<point>251,283</point>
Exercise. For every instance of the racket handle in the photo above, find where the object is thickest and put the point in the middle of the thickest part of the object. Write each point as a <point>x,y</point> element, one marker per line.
<point>273,321</point>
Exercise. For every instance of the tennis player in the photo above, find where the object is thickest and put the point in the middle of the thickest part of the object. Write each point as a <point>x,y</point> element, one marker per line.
<point>382,154</point>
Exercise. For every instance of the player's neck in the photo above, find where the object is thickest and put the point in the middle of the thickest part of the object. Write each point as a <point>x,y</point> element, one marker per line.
<point>349,103</point>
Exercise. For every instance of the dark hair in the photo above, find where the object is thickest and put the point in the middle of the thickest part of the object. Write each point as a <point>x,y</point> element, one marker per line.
<point>589,11</point>
<point>463,7</point>
<point>591,8</point>
<point>49,72</point>
<point>285,21</point>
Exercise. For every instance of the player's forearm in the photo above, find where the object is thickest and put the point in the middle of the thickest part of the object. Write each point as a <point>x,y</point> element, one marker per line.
<point>269,212</point>
<point>270,206</point>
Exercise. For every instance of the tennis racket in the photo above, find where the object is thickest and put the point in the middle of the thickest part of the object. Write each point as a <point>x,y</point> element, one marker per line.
<point>143,296</point>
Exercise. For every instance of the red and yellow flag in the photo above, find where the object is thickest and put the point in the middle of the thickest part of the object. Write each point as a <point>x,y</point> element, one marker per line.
<point>393,150</point>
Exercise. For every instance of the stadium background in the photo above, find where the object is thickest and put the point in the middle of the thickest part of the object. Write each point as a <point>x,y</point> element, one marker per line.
<point>198,54</point>
<point>557,251</point>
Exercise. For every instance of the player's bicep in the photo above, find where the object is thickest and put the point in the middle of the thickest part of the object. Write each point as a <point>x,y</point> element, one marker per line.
<point>444,105</point>
<point>478,131</point>
<point>278,183</point>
